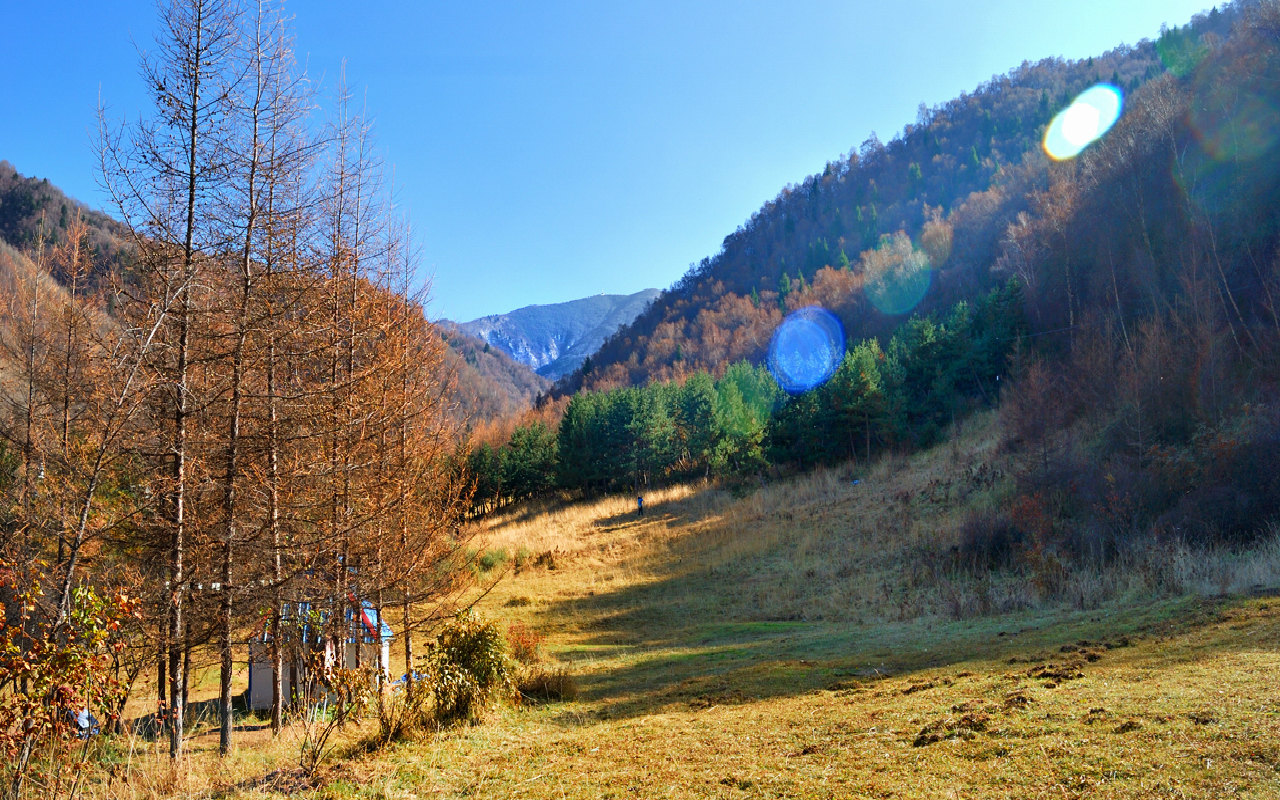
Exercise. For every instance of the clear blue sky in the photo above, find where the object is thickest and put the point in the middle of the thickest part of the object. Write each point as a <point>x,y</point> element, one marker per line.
<point>555,149</point>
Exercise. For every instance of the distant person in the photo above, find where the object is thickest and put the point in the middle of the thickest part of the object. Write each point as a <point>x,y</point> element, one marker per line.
<point>640,506</point>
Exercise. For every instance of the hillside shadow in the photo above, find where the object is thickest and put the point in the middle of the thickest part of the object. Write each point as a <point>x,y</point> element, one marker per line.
<point>531,511</point>
<point>667,666</point>
<point>672,653</point>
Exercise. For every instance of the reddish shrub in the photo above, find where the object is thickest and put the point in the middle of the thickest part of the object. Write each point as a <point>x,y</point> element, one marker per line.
<point>525,643</point>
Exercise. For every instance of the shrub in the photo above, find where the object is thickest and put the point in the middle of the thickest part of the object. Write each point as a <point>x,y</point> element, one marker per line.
<point>467,668</point>
<point>492,559</point>
<point>1213,514</point>
<point>524,557</point>
<point>525,643</point>
<point>1232,491</point>
<point>547,685</point>
<point>546,559</point>
<point>64,666</point>
<point>989,541</point>
<point>401,713</point>
<point>347,698</point>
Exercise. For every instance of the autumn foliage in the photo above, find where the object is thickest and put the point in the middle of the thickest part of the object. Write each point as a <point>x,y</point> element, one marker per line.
<point>249,416</point>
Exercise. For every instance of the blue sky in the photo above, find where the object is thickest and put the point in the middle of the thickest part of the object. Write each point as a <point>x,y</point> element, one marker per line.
<point>556,149</point>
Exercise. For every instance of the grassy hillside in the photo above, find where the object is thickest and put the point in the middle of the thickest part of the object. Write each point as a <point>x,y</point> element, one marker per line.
<point>817,638</point>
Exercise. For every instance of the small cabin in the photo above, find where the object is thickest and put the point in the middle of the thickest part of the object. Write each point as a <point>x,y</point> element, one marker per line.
<point>368,634</point>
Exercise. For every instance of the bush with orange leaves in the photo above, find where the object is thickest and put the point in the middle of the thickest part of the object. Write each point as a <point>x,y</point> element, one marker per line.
<point>57,685</point>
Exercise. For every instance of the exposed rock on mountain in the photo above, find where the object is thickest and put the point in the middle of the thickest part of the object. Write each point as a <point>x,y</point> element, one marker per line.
<point>555,339</point>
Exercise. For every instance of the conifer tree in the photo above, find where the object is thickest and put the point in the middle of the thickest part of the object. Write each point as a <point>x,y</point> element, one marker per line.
<point>166,176</point>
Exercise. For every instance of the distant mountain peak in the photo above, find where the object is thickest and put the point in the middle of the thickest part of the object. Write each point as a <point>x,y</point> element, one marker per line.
<point>554,339</point>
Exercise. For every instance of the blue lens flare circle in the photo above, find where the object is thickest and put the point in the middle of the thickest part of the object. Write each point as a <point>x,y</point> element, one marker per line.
<point>806,349</point>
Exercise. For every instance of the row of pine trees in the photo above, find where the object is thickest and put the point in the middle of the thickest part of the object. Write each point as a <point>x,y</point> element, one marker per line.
<point>628,439</point>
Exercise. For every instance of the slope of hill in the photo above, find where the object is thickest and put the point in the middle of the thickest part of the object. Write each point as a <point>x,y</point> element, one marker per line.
<point>491,385</point>
<point>28,203</point>
<point>815,639</point>
<point>555,338</point>
<point>21,279</point>
<point>950,186</point>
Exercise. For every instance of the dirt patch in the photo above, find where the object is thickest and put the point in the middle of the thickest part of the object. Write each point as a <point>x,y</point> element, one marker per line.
<point>1034,658</point>
<point>1055,674</point>
<point>965,727</point>
<point>1016,700</point>
<point>921,686</point>
<point>289,781</point>
<point>730,698</point>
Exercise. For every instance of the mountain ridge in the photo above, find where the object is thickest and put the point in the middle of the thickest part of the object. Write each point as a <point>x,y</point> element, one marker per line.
<point>553,339</point>
<point>949,188</point>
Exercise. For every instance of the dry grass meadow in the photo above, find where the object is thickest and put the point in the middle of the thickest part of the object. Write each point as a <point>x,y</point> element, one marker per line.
<point>812,638</point>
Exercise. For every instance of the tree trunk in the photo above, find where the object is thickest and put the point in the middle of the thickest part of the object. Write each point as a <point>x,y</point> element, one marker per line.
<point>277,567</point>
<point>177,551</point>
<point>162,683</point>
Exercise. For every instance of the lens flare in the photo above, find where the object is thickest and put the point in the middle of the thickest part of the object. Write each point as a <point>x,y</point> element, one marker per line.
<point>901,286</point>
<point>1234,123</point>
<point>1083,122</point>
<point>1181,51</point>
<point>806,349</point>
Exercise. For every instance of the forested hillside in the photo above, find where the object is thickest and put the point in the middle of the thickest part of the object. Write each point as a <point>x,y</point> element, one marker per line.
<point>490,384</point>
<point>1120,308</point>
<point>35,214</point>
<point>947,189</point>
<point>33,209</point>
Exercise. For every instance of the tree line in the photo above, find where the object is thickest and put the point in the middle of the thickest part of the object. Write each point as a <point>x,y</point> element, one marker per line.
<point>902,395</point>
<point>252,412</point>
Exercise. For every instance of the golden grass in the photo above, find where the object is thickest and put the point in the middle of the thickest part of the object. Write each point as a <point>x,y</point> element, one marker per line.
<point>1141,713</point>
<point>808,639</point>
<point>1119,730</point>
